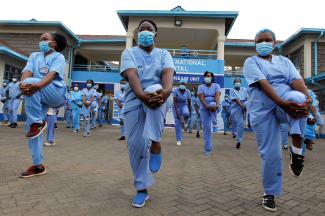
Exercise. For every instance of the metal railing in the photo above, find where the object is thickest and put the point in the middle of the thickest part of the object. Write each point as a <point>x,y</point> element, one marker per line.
<point>233,73</point>
<point>189,53</point>
<point>99,68</point>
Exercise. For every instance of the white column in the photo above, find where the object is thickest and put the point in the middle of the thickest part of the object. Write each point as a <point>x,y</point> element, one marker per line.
<point>129,39</point>
<point>221,47</point>
<point>307,59</point>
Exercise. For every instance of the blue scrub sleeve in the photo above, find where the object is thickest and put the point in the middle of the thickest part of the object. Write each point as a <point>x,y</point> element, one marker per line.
<point>58,66</point>
<point>252,72</point>
<point>167,61</point>
<point>126,61</point>
<point>30,64</point>
<point>200,89</point>
<point>293,73</point>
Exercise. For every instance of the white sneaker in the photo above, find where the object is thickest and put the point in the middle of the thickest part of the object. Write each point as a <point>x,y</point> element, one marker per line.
<point>47,144</point>
<point>179,143</point>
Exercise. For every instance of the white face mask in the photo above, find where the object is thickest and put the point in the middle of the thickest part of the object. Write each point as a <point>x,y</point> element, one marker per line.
<point>207,80</point>
<point>237,84</point>
<point>182,87</point>
<point>14,79</point>
<point>76,88</point>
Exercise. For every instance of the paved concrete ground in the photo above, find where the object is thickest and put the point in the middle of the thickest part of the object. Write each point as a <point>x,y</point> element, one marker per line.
<point>92,176</point>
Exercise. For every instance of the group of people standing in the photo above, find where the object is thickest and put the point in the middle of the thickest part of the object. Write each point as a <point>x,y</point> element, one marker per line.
<point>11,97</point>
<point>276,94</point>
<point>203,105</point>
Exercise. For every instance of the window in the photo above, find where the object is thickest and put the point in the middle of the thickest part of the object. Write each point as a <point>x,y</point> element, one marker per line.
<point>295,57</point>
<point>10,71</point>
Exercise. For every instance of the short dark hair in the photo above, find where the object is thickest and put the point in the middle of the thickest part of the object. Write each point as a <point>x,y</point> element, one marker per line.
<point>237,80</point>
<point>212,75</point>
<point>60,40</point>
<point>151,22</point>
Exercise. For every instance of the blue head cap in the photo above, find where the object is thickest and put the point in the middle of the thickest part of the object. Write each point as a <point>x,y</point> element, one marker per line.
<point>265,31</point>
<point>183,81</point>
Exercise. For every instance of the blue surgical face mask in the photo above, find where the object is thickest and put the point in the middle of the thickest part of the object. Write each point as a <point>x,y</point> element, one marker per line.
<point>207,80</point>
<point>182,87</point>
<point>44,46</point>
<point>237,84</point>
<point>89,85</point>
<point>264,48</point>
<point>146,38</point>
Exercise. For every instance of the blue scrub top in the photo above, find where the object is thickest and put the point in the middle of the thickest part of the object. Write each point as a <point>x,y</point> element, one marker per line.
<point>41,66</point>
<point>280,73</point>
<point>88,93</point>
<point>208,92</point>
<point>13,89</point>
<point>182,98</point>
<point>149,67</point>
<point>240,95</point>
<point>76,97</point>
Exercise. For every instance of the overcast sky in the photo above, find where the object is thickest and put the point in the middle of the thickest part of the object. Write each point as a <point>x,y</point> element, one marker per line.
<point>284,17</point>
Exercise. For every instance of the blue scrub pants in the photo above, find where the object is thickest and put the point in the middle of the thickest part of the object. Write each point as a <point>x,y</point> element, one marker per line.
<point>13,108</point>
<point>207,118</point>
<point>5,111</point>
<point>36,107</point>
<point>143,125</point>
<point>76,117</point>
<point>225,118</point>
<point>50,128</point>
<point>268,138</point>
<point>284,128</point>
<point>184,112</point>
<point>86,118</point>
<point>237,123</point>
<point>93,115</point>
<point>194,119</point>
<point>68,116</point>
<point>101,114</point>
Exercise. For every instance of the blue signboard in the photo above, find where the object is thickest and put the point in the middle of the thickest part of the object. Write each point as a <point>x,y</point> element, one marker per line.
<point>198,66</point>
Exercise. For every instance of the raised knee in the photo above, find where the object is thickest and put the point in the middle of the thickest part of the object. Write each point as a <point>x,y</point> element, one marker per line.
<point>31,80</point>
<point>296,97</point>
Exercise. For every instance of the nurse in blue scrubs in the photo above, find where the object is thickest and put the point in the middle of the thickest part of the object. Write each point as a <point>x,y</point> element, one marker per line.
<point>88,98</point>
<point>277,94</point>
<point>225,113</point>
<point>209,95</point>
<point>42,85</point>
<point>238,97</point>
<point>149,72</point>
<point>76,101</point>
<point>182,107</point>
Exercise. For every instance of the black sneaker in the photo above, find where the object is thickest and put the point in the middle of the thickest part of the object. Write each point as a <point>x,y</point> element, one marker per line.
<point>268,203</point>
<point>296,164</point>
<point>121,138</point>
<point>238,145</point>
<point>197,134</point>
<point>234,136</point>
<point>13,125</point>
<point>224,133</point>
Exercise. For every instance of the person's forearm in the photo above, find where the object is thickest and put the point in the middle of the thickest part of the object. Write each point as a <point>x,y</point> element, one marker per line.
<point>269,91</point>
<point>313,111</point>
<point>202,99</point>
<point>238,102</point>
<point>217,98</point>
<point>167,80</point>
<point>300,86</point>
